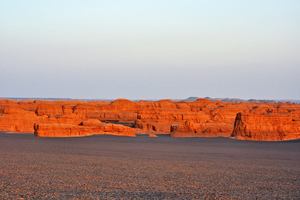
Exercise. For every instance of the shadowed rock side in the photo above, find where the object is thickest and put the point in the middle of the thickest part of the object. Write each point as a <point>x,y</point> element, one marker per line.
<point>201,118</point>
<point>266,127</point>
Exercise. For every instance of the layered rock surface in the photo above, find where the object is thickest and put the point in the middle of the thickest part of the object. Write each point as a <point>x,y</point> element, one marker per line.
<point>201,118</point>
<point>266,127</point>
<point>87,128</point>
<point>211,129</point>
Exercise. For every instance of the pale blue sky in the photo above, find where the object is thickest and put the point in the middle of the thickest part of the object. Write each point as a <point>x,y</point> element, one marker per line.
<point>150,49</point>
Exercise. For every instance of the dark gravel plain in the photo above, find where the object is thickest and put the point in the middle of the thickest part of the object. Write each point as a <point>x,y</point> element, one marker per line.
<point>111,167</point>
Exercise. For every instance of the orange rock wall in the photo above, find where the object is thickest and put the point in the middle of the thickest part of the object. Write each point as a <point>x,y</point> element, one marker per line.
<point>202,118</point>
<point>266,127</point>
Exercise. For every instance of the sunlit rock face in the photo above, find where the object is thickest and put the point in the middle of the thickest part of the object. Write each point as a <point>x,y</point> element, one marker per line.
<point>68,130</point>
<point>210,129</point>
<point>266,127</point>
<point>201,118</point>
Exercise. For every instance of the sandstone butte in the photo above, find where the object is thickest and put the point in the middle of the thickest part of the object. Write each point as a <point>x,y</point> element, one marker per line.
<point>201,118</point>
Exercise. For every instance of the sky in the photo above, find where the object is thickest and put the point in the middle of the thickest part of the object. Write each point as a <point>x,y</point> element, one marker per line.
<point>135,49</point>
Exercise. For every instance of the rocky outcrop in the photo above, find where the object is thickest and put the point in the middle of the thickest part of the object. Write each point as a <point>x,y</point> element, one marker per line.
<point>201,118</point>
<point>15,119</point>
<point>89,127</point>
<point>266,127</point>
<point>161,115</point>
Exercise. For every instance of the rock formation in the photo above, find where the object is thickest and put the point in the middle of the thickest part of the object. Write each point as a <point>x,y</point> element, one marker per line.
<point>266,127</point>
<point>200,118</point>
<point>87,128</point>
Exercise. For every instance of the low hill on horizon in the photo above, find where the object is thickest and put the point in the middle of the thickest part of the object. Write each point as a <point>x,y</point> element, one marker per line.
<point>190,99</point>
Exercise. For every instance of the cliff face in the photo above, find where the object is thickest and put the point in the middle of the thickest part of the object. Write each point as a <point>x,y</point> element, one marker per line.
<point>266,127</point>
<point>201,118</point>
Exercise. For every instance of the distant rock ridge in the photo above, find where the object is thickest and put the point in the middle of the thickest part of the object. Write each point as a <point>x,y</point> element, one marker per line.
<point>237,100</point>
<point>231,100</point>
<point>197,118</point>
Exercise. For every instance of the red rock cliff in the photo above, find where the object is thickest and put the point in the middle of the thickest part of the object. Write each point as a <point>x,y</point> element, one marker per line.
<point>266,127</point>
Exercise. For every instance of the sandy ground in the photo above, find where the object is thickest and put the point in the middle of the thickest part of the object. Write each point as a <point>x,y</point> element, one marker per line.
<point>111,167</point>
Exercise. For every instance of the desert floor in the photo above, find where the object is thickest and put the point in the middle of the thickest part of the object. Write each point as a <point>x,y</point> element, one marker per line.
<point>112,167</point>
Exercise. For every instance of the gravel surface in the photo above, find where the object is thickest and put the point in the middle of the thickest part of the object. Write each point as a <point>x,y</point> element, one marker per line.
<point>111,167</point>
